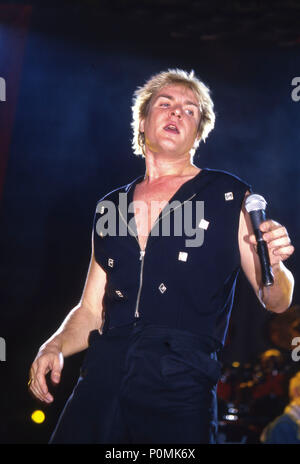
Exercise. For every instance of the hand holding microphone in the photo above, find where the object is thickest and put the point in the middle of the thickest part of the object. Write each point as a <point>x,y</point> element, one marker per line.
<point>272,240</point>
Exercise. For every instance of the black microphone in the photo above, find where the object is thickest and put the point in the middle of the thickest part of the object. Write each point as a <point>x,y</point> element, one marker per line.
<point>255,206</point>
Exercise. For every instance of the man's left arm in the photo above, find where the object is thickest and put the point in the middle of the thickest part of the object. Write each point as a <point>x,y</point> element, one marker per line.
<point>278,297</point>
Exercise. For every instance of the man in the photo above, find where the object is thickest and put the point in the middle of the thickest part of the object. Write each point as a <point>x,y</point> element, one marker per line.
<point>285,429</point>
<point>161,299</point>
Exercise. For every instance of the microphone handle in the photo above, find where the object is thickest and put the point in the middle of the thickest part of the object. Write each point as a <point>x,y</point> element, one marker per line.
<point>266,269</point>
<point>257,217</point>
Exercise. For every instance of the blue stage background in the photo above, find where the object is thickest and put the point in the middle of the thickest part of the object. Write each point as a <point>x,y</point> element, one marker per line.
<point>71,143</point>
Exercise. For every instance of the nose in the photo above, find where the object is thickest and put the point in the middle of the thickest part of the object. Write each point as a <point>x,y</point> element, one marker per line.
<point>176,112</point>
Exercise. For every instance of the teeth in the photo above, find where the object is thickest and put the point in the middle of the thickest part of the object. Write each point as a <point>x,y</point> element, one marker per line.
<point>170,126</point>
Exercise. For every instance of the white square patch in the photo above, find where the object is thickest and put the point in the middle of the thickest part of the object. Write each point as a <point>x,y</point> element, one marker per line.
<point>110,262</point>
<point>203,224</point>
<point>162,288</point>
<point>182,256</point>
<point>228,196</point>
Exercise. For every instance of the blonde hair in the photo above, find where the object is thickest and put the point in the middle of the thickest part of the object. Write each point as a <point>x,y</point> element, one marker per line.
<point>294,385</point>
<point>143,95</point>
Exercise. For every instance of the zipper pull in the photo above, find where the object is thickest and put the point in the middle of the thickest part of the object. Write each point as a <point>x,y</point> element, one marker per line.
<point>142,254</point>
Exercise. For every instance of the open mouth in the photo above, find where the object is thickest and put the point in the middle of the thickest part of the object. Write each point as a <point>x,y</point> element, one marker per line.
<point>171,128</point>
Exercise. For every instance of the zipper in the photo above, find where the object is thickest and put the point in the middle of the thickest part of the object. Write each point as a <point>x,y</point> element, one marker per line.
<point>178,206</point>
<point>142,253</point>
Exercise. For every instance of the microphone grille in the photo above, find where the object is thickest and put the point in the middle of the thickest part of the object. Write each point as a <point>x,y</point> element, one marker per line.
<point>255,202</point>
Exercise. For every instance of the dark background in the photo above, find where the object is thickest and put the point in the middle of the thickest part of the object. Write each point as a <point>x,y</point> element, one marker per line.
<point>71,69</point>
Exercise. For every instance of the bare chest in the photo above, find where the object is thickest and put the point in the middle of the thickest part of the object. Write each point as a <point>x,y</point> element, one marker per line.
<point>149,201</point>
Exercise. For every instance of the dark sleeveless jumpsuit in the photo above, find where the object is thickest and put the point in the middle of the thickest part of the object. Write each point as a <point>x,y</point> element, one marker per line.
<point>150,376</point>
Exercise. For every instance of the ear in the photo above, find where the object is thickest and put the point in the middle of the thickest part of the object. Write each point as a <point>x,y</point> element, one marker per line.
<point>197,138</point>
<point>142,125</point>
<point>199,135</point>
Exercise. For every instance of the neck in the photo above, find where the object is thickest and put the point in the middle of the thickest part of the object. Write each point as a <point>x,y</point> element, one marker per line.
<point>162,165</point>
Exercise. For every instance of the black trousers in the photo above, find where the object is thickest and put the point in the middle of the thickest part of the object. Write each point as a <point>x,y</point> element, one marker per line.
<point>143,384</point>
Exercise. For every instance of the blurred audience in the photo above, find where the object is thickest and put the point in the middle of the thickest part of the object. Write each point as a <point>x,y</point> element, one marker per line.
<point>285,429</point>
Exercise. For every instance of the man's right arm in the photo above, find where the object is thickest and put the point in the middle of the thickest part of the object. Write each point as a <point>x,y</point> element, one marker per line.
<point>72,336</point>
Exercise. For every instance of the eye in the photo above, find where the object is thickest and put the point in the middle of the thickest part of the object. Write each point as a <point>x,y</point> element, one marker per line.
<point>164,104</point>
<point>190,112</point>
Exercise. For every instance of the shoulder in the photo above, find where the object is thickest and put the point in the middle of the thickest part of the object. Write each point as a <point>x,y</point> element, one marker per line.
<point>226,177</point>
<point>114,194</point>
<point>220,183</point>
<point>278,430</point>
<point>283,419</point>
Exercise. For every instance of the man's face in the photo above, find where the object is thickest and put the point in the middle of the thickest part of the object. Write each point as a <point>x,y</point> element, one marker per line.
<point>172,121</point>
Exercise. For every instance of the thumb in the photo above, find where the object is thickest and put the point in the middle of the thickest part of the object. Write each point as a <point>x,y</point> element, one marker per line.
<point>57,368</point>
<point>250,239</point>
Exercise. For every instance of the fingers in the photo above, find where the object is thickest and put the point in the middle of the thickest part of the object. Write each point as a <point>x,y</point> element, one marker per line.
<point>284,252</point>
<point>38,386</point>
<point>278,244</point>
<point>42,384</point>
<point>274,233</point>
<point>40,368</point>
<point>34,389</point>
<point>270,234</point>
<point>269,225</point>
<point>277,239</point>
<point>57,368</point>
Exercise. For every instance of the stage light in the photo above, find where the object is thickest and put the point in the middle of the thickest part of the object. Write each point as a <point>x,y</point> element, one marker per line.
<point>231,417</point>
<point>38,416</point>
